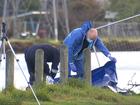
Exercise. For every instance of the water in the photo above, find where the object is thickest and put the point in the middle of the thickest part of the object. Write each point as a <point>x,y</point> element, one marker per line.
<point>127,65</point>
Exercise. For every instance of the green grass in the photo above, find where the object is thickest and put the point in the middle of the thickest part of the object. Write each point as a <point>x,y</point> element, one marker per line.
<point>35,41</point>
<point>73,92</point>
<point>113,43</point>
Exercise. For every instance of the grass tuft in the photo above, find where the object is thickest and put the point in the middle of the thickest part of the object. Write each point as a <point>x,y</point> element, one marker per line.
<point>73,92</point>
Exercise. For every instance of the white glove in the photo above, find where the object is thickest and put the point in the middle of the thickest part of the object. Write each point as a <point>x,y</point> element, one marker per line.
<point>49,80</point>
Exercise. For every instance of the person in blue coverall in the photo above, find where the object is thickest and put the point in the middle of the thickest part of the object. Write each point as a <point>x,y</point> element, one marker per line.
<point>77,40</point>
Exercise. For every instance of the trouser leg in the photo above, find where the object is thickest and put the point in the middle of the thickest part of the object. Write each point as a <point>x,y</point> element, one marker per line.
<point>49,72</point>
<point>31,71</point>
<point>69,70</point>
<point>46,69</point>
<point>80,68</point>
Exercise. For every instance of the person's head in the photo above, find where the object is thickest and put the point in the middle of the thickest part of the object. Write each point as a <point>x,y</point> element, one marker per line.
<point>92,34</point>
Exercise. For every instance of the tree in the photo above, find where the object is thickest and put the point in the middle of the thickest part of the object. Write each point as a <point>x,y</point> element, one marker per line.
<point>30,5</point>
<point>81,10</point>
<point>124,8</point>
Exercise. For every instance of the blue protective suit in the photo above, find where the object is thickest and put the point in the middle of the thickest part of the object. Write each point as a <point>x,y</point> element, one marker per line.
<point>74,42</point>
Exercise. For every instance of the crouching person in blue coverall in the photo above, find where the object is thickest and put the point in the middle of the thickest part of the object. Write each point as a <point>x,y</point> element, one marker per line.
<point>77,40</point>
<point>51,54</point>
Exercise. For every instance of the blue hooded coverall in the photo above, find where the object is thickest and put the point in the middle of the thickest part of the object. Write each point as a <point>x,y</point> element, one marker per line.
<point>74,42</point>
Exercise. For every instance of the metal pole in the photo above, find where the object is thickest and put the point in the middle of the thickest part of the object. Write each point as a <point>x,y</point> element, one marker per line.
<point>2,43</point>
<point>103,26</point>
<point>66,15</point>
<point>55,20</point>
<point>131,17</point>
<point>4,11</point>
<point>96,55</point>
<point>14,18</point>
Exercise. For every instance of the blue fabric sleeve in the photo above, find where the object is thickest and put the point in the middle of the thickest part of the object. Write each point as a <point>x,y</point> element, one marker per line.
<point>70,55</point>
<point>100,45</point>
<point>71,41</point>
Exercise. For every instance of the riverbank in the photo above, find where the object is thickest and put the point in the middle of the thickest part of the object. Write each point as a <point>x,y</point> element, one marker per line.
<point>73,92</point>
<point>115,44</point>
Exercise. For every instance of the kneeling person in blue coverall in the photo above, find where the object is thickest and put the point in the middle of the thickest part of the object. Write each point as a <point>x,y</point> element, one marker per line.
<point>77,40</point>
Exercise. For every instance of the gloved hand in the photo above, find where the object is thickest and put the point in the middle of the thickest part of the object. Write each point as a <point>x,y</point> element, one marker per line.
<point>49,80</point>
<point>73,67</point>
<point>112,58</point>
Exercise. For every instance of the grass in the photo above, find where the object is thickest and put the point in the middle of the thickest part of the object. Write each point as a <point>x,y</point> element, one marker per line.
<point>73,92</point>
<point>35,41</point>
<point>20,45</point>
<point>112,43</point>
